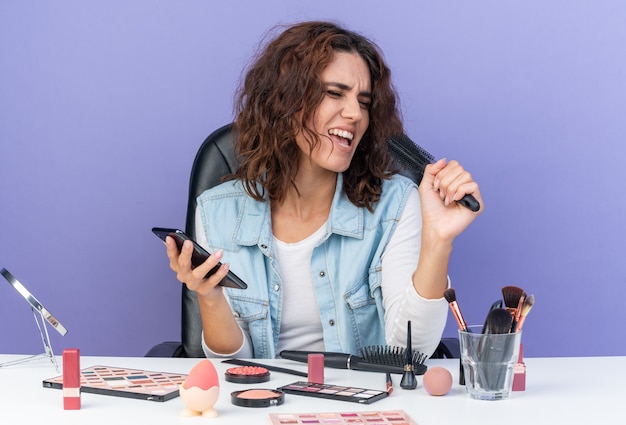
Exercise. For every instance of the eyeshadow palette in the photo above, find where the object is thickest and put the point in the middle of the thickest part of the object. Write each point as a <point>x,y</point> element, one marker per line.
<point>334,392</point>
<point>395,417</point>
<point>122,382</point>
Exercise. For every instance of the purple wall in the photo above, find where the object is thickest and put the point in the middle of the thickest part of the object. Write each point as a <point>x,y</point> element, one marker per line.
<point>102,108</point>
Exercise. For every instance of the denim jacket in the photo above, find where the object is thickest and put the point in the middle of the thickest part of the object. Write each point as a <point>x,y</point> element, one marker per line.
<point>346,265</point>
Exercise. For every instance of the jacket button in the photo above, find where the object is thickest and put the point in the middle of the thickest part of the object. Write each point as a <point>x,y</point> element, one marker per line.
<point>322,274</point>
<point>276,287</point>
<point>331,322</point>
<point>264,246</point>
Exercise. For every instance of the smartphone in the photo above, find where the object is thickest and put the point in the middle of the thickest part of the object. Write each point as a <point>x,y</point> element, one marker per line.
<point>199,256</point>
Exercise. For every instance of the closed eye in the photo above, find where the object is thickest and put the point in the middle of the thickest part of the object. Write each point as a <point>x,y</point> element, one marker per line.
<point>337,90</point>
<point>365,100</point>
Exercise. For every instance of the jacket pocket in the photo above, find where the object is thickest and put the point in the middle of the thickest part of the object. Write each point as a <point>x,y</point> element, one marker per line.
<point>365,313</point>
<point>253,316</point>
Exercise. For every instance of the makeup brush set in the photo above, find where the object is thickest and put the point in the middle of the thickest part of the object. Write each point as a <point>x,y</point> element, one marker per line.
<point>515,303</point>
<point>505,316</point>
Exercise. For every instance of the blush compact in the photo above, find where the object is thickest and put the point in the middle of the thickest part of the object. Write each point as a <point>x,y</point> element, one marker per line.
<point>247,374</point>
<point>257,397</point>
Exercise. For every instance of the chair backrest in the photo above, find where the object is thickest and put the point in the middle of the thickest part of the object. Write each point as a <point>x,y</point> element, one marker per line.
<point>216,158</point>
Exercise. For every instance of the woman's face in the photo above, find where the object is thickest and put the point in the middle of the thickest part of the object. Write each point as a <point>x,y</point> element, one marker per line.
<point>342,117</point>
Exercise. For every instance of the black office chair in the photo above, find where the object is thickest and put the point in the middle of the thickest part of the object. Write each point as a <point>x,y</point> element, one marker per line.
<point>216,158</point>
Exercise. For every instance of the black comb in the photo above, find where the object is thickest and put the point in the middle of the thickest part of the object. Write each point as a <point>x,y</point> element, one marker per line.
<point>412,160</point>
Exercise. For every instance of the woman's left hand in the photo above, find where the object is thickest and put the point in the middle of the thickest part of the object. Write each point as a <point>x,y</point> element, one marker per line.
<point>443,184</point>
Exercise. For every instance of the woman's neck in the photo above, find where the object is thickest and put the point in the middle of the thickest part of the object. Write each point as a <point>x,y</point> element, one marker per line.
<point>305,210</point>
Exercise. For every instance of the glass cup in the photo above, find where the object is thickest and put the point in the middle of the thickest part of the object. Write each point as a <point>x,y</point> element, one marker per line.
<point>488,362</point>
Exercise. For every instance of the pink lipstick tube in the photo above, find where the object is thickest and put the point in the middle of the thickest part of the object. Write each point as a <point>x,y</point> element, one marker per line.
<point>71,379</point>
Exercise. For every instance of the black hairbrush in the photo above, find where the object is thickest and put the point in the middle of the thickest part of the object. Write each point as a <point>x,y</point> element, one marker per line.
<point>377,358</point>
<point>396,356</point>
<point>412,160</point>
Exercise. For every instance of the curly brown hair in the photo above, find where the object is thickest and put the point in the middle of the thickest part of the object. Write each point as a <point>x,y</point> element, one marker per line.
<point>281,93</point>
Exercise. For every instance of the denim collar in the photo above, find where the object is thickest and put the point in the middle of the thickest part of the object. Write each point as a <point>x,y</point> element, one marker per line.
<point>254,219</point>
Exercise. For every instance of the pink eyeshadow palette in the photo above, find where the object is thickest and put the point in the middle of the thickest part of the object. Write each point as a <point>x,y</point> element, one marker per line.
<point>334,392</point>
<point>392,417</point>
<point>122,382</point>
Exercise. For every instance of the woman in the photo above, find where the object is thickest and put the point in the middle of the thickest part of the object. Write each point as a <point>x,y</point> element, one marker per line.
<point>338,252</point>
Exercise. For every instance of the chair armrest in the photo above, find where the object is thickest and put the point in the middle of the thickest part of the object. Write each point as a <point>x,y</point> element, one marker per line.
<point>448,348</point>
<point>166,349</point>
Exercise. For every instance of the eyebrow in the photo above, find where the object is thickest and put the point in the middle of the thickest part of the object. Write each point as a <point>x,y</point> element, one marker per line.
<point>346,87</point>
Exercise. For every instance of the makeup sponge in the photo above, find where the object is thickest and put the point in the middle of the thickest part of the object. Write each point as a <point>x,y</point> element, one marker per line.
<point>200,391</point>
<point>437,381</point>
<point>203,375</point>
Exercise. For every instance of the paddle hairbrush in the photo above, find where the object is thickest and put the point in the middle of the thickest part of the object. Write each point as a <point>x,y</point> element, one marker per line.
<point>412,159</point>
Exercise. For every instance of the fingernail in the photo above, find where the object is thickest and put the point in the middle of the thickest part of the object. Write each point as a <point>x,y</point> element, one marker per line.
<point>219,253</point>
<point>436,184</point>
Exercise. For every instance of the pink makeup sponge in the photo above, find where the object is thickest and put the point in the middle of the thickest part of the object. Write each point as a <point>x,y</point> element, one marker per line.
<point>437,381</point>
<point>203,375</point>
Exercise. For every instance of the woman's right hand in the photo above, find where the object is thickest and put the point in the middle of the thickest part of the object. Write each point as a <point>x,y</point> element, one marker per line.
<point>180,263</point>
<point>221,332</point>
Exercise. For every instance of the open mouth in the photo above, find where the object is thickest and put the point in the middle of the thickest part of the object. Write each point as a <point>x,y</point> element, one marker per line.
<point>344,137</point>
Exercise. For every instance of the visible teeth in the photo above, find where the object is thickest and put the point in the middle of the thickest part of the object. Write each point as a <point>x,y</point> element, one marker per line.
<point>341,133</point>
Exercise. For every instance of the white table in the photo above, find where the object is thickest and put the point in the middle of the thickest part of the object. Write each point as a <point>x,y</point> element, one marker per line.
<point>558,391</point>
